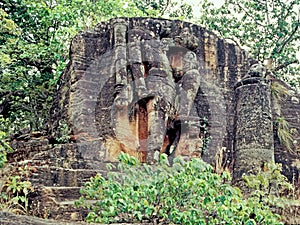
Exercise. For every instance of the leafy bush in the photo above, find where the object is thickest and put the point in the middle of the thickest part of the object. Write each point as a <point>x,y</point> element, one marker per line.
<point>4,145</point>
<point>14,184</point>
<point>14,189</point>
<point>184,193</point>
<point>4,149</point>
<point>64,132</point>
<point>269,185</point>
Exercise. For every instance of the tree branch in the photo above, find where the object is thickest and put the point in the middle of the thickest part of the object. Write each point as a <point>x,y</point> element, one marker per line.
<point>248,14</point>
<point>288,39</point>
<point>11,93</point>
<point>267,12</point>
<point>289,9</point>
<point>285,65</point>
<point>167,5</point>
<point>283,17</point>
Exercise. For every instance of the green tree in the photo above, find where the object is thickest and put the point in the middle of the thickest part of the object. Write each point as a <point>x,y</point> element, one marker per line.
<point>34,45</point>
<point>269,29</point>
<point>165,8</point>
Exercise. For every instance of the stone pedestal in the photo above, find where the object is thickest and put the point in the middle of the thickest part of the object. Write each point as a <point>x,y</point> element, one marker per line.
<point>254,143</point>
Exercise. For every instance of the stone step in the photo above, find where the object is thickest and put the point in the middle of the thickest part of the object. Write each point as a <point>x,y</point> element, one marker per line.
<point>58,176</point>
<point>53,162</point>
<point>48,208</point>
<point>8,218</point>
<point>66,211</point>
<point>84,155</point>
<point>63,195</point>
<point>67,151</point>
<point>58,203</point>
<point>62,203</point>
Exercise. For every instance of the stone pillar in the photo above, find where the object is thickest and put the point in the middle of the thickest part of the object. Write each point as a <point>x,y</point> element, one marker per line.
<point>254,141</point>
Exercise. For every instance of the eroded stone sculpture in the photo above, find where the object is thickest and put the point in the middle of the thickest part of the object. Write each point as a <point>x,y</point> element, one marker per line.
<point>133,85</point>
<point>156,84</point>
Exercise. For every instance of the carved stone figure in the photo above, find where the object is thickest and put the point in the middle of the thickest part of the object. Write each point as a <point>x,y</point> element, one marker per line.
<point>137,71</point>
<point>256,70</point>
<point>120,57</point>
<point>163,82</point>
<point>187,39</point>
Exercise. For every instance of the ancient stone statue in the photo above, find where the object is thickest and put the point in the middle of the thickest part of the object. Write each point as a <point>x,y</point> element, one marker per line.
<point>146,85</point>
<point>155,87</point>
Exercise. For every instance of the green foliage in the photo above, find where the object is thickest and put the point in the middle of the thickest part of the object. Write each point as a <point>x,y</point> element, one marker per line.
<point>165,8</point>
<point>205,135</point>
<point>268,29</point>
<point>4,149</point>
<point>285,133</point>
<point>4,145</point>
<point>184,193</point>
<point>279,91</point>
<point>14,188</point>
<point>268,185</point>
<point>64,132</point>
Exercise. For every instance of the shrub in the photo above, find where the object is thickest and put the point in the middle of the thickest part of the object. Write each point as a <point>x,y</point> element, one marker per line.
<point>14,189</point>
<point>4,149</point>
<point>184,193</point>
<point>4,145</point>
<point>14,184</point>
<point>269,185</point>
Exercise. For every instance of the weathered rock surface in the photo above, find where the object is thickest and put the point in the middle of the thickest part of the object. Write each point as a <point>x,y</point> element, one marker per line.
<point>7,218</point>
<point>144,85</point>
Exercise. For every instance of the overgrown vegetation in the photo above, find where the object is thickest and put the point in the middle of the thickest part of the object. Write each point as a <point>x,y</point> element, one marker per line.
<point>285,134</point>
<point>64,132</point>
<point>14,189</point>
<point>205,136</point>
<point>268,29</point>
<point>184,193</point>
<point>279,91</point>
<point>4,145</point>
<point>269,184</point>
<point>14,184</point>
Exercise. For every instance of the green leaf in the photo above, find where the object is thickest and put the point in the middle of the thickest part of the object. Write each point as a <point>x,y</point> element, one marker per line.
<point>250,222</point>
